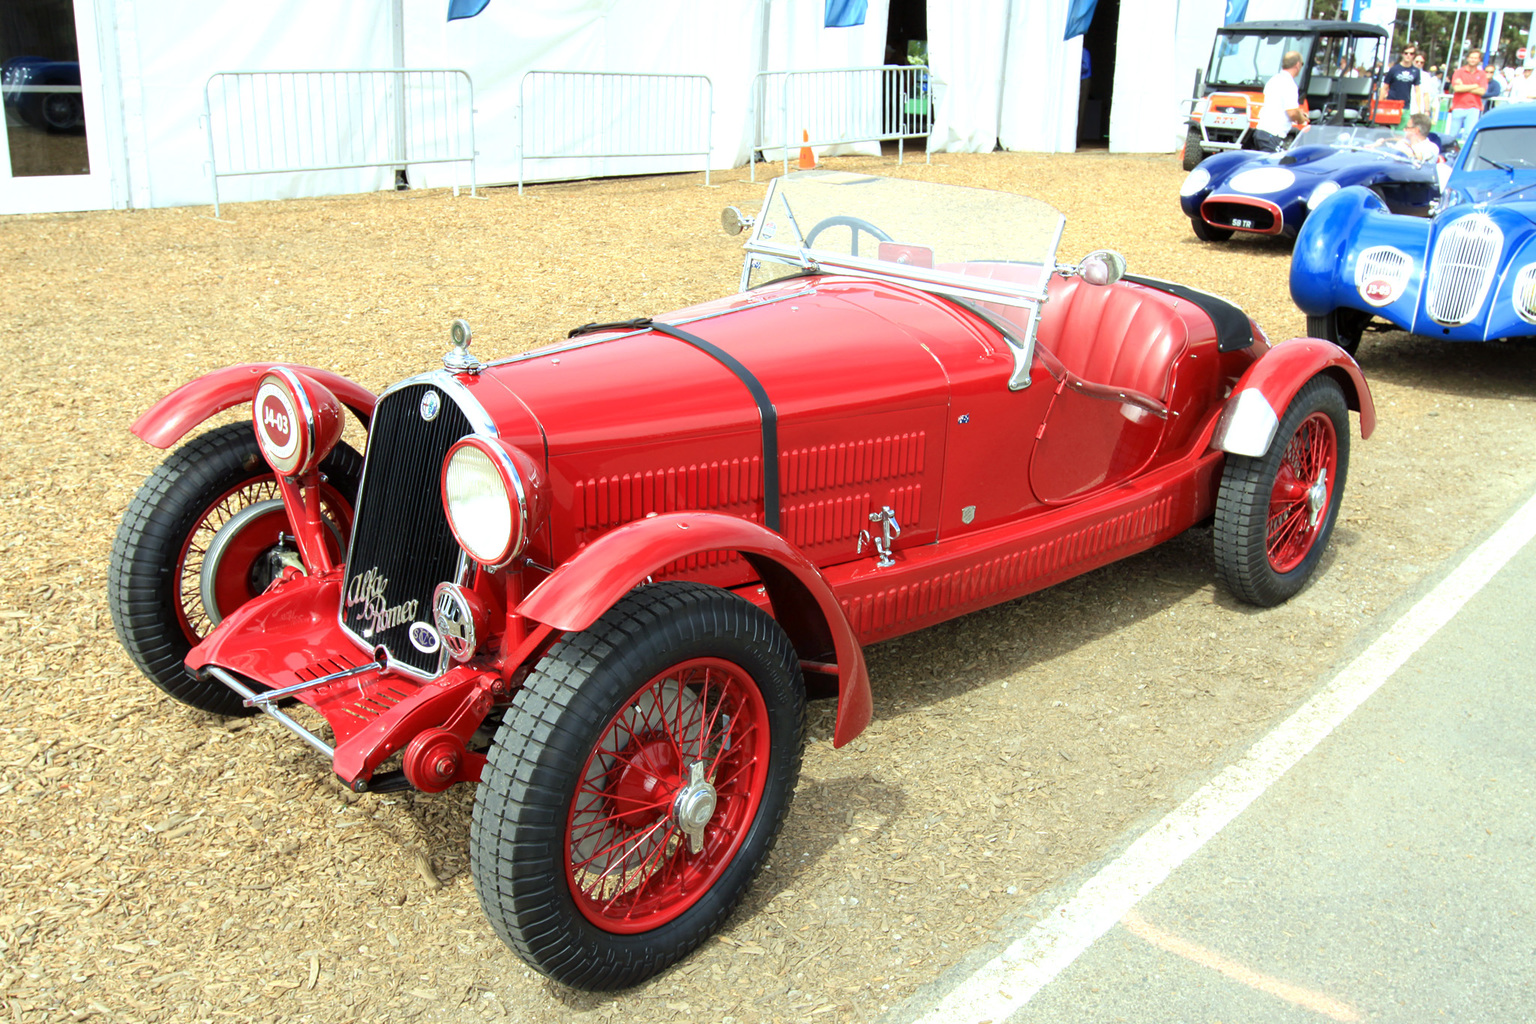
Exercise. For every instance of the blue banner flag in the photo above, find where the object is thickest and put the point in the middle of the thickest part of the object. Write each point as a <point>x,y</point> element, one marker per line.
<point>465,8</point>
<point>1079,16</point>
<point>1237,10</point>
<point>846,13</point>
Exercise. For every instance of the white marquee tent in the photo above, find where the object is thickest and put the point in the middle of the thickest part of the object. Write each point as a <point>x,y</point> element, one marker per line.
<point>1001,76</point>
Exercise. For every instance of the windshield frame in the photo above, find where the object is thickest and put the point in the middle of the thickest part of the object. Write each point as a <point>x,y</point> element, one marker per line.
<point>778,237</point>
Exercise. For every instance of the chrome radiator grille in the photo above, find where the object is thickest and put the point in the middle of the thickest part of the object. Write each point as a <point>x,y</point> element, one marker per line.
<point>1525,293</point>
<point>402,547</point>
<point>1461,269</point>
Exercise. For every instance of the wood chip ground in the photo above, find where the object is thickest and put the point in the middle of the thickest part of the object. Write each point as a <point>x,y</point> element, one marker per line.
<point>162,865</point>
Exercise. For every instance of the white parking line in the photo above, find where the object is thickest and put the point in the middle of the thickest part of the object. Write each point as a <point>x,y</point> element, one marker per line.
<point>1001,986</point>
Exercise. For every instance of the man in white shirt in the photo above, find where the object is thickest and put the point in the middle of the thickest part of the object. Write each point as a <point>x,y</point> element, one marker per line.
<point>1282,106</point>
<point>1523,88</point>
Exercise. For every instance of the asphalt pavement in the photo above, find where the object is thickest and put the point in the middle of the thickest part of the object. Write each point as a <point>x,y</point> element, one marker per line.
<point>1383,870</point>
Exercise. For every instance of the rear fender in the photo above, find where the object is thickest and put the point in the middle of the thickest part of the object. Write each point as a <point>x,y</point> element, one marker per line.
<point>578,592</point>
<point>174,416</point>
<point>1248,423</point>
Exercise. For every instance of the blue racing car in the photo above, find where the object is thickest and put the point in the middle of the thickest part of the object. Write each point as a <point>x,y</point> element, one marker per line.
<point>1467,274</point>
<point>1272,193</point>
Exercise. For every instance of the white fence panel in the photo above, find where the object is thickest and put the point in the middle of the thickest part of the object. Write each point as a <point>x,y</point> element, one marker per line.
<point>591,114</point>
<point>289,122</point>
<point>835,106</point>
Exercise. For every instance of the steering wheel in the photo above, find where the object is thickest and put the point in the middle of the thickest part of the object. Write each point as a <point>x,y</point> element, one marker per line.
<point>855,224</point>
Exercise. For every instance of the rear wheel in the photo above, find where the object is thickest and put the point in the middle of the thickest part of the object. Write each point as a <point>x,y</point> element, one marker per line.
<point>637,784</point>
<point>1193,153</point>
<point>202,537</point>
<point>1207,233</point>
<point>1344,327</point>
<point>1275,512</point>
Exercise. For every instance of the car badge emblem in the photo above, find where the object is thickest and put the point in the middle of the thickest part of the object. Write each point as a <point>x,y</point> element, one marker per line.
<point>431,405</point>
<point>968,514</point>
<point>424,638</point>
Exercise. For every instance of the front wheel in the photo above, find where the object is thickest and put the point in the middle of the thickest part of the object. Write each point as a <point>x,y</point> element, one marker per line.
<point>1275,512</point>
<point>637,784</point>
<point>203,536</point>
<point>1344,327</point>
<point>1207,232</point>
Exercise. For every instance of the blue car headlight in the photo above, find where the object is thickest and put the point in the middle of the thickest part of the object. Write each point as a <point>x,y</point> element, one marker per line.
<point>1320,193</point>
<point>1197,180</point>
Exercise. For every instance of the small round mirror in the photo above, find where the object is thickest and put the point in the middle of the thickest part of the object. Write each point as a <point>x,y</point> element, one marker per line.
<point>734,221</point>
<point>1101,267</point>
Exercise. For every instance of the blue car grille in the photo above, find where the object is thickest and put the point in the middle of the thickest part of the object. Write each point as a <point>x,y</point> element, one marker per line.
<point>1461,269</point>
<point>1525,293</point>
<point>402,547</point>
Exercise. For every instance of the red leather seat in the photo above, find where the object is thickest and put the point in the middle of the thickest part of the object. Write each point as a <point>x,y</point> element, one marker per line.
<point>1122,335</point>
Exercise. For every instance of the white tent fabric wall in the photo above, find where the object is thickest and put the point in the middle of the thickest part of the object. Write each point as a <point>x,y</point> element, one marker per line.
<point>171,168</point>
<point>728,40</point>
<point>1159,46</point>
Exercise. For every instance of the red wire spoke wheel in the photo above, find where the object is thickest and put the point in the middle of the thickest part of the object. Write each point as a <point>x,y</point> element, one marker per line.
<point>632,863</point>
<point>214,497</point>
<point>637,784</point>
<point>1275,512</point>
<point>1303,487</point>
<point>238,531</point>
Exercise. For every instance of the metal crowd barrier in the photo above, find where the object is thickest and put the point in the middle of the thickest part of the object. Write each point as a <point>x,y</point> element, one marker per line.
<point>290,122</point>
<point>834,106</point>
<point>589,114</point>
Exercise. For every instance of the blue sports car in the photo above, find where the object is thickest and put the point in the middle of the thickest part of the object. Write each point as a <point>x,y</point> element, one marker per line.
<point>1467,274</point>
<point>1272,193</point>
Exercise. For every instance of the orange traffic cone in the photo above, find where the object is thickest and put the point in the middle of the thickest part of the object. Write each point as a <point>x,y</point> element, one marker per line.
<point>807,158</point>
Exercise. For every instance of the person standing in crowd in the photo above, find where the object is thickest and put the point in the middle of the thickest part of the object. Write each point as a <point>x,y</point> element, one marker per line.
<point>1427,96</point>
<point>1523,88</point>
<point>1401,80</point>
<point>1495,90</point>
<point>1282,106</point>
<point>1468,85</point>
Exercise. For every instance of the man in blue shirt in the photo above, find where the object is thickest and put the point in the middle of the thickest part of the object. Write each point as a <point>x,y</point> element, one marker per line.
<point>1400,81</point>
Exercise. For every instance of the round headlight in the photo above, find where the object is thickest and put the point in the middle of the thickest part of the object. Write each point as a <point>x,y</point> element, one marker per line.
<point>1197,180</point>
<point>297,421</point>
<point>491,494</point>
<point>1320,193</point>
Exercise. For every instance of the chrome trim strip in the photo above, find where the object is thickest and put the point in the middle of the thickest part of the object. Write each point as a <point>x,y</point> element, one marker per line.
<point>249,694</point>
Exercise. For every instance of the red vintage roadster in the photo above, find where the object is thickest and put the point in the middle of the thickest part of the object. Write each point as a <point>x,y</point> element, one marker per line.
<point>600,578</point>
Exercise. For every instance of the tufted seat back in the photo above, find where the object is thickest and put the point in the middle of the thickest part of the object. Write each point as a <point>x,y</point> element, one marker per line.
<point>1123,335</point>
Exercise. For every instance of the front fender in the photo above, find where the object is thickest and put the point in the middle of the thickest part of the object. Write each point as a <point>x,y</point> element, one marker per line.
<point>171,418</point>
<point>1252,414</point>
<point>1330,241</point>
<point>592,581</point>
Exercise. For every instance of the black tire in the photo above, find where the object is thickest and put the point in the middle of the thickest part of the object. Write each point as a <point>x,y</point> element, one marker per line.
<point>1265,558</point>
<point>200,487</point>
<point>1206,233</point>
<point>549,780</point>
<point>1193,151</point>
<point>62,112</point>
<point>1344,327</point>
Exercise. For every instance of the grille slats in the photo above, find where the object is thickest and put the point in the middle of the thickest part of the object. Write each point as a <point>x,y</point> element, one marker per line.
<point>1525,293</point>
<point>402,547</point>
<point>1462,268</point>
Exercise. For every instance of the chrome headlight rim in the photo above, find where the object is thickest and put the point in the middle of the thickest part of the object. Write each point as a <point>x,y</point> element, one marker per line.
<point>507,544</point>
